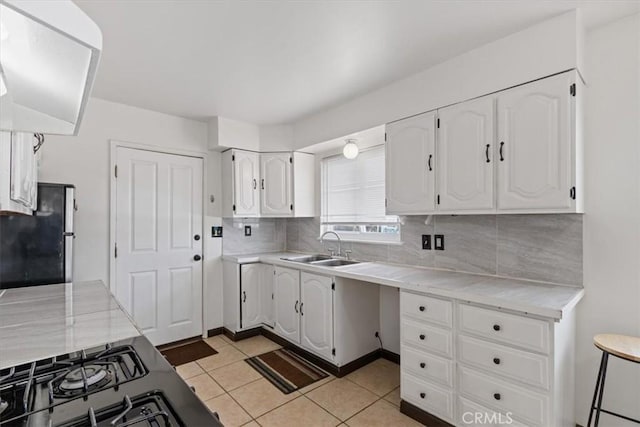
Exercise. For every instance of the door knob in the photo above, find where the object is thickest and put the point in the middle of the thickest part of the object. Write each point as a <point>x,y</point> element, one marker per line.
<point>197,257</point>
<point>196,237</point>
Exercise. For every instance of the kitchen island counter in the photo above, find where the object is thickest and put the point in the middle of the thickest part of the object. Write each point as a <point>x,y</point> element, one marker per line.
<point>44,321</point>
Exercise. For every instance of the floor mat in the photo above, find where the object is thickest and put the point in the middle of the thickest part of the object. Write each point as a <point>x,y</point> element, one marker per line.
<point>188,352</point>
<point>286,370</point>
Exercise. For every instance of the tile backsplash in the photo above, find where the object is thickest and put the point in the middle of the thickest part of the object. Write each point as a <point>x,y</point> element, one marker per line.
<point>538,247</point>
<point>267,235</point>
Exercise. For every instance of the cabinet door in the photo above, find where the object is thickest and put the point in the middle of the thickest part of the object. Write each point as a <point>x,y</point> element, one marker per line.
<point>267,276</point>
<point>287,303</point>
<point>275,184</point>
<point>246,170</point>
<point>534,149</point>
<point>465,156</point>
<point>410,163</point>
<point>316,314</point>
<point>250,288</point>
<point>24,181</point>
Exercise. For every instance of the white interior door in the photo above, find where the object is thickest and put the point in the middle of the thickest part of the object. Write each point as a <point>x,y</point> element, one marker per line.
<point>316,314</point>
<point>159,257</point>
<point>465,156</point>
<point>275,184</point>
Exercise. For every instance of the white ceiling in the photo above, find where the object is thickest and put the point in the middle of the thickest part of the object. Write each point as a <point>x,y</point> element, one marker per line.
<point>274,62</point>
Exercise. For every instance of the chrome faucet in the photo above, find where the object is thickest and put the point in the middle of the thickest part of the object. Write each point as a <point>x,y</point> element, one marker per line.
<point>337,237</point>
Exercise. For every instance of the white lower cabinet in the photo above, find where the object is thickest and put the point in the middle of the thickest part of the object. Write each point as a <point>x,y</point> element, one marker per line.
<point>502,368</point>
<point>316,314</point>
<point>252,286</point>
<point>286,297</point>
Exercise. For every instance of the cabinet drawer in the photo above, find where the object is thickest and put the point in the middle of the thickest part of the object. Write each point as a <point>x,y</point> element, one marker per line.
<point>426,337</point>
<point>427,366</point>
<point>427,396</point>
<point>427,308</point>
<point>474,415</point>
<point>517,364</point>
<point>508,328</point>
<point>525,404</point>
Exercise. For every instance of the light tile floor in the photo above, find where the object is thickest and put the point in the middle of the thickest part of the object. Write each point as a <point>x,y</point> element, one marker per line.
<point>368,397</point>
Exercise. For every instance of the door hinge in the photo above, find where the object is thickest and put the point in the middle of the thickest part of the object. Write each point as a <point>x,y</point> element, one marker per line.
<point>115,171</point>
<point>438,123</point>
<point>385,137</point>
<point>115,251</point>
<point>438,198</point>
<point>333,352</point>
<point>572,193</point>
<point>333,286</point>
<point>291,207</point>
<point>290,159</point>
<point>233,157</point>
<point>234,208</point>
<point>572,89</point>
<point>272,294</point>
<point>385,202</point>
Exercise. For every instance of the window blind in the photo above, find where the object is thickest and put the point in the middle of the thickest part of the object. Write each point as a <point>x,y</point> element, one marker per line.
<point>354,190</point>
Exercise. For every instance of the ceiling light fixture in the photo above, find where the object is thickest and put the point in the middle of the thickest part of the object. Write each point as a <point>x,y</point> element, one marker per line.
<point>350,149</point>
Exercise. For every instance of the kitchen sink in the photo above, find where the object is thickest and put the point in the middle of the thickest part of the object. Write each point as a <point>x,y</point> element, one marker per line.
<point>335,262</point>
<point>309,258</point>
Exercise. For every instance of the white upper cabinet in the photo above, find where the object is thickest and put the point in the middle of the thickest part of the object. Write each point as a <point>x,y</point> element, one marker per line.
<point>536,146</point>
<point>268,184</point>
<point>241,172</point>
<point>275,184</point>
<point>316,314</point>
<point>410,157</point>
<point>18,173</point>
<point>518,151</point>
<point>465,159</point>
<point>246,171</point>
<point>286,288</point>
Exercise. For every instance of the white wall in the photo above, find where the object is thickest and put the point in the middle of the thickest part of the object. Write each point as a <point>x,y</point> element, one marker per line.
<point>546,48</point>
<point>612,219</point>
<point>83,160</point>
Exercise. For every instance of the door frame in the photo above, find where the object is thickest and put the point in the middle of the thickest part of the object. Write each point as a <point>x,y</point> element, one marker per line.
<point>114,145</point>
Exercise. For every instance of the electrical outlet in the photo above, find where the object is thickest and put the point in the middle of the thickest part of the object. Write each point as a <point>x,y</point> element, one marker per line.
<point>247,230</point>
<point>426,241</point>
<point>216,231</point>
<point>438,242</point>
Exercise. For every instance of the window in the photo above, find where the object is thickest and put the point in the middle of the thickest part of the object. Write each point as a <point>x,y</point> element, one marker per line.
<point>353,198</point>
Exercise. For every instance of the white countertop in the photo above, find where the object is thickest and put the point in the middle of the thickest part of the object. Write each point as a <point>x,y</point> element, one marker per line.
<point>541,299</point>
<point>44,321</point>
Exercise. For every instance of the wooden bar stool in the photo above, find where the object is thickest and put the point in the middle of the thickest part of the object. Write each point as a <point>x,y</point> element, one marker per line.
<point>622,346</point>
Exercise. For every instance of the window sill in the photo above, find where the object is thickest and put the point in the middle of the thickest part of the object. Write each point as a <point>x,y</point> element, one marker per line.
<point>365,241</point>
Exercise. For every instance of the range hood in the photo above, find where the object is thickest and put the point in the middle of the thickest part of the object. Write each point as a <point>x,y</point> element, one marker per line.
<point>49,52</point>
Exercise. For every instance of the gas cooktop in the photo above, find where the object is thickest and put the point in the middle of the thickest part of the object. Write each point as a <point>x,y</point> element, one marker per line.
<point>127,383</point>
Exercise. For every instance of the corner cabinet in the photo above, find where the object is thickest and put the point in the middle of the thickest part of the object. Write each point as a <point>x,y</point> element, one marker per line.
<point>517,151</point>
<point>251,287</point>
<point>18,173</point>
<point>410,160</point>
<point>268,184</point>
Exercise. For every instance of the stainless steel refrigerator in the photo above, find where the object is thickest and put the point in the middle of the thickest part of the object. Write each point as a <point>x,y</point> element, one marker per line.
<point>38,249</point>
